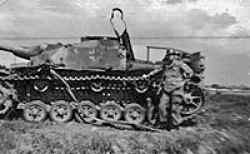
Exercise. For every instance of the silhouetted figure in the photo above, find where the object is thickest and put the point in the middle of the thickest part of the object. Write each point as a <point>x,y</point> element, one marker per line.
<point>120,29</point>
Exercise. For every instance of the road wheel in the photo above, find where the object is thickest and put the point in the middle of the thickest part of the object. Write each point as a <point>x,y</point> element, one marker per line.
<point>87,111</point>
<point>35,112</point>
<point>61,112</point>
<point>134,113</point>
<point>111,111</point>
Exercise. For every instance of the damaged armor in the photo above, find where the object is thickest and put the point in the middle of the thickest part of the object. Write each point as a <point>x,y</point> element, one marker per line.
<point>99,79</point>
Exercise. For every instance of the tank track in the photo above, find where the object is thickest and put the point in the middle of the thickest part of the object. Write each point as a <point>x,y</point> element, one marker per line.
<point>93,96</point>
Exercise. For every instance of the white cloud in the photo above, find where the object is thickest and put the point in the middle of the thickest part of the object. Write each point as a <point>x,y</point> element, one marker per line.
<point>85,15</point>
<point>144,18</point>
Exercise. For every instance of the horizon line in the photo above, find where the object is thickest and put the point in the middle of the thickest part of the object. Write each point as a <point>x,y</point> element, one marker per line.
<point>137,37</point>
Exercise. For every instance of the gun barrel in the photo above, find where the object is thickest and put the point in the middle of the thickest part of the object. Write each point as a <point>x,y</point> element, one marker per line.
<point>17,52</point>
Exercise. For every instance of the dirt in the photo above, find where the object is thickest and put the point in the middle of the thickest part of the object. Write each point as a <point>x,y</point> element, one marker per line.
<point>223,127</point>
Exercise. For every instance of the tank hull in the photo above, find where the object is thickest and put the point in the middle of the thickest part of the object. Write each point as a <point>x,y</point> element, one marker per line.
<point>124,90</point>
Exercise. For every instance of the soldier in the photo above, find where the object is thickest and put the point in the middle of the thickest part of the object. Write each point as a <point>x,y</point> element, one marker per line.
<point>119,26</point>
<point>174,73</point>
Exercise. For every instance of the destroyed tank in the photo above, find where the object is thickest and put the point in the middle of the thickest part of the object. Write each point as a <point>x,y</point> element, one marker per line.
<point>97,78</point>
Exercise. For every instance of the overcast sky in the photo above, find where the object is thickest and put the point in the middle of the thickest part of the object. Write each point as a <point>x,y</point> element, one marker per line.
<point>145,18</point>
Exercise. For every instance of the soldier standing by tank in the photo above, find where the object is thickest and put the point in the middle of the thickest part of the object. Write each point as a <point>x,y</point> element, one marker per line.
<point>175,71</point>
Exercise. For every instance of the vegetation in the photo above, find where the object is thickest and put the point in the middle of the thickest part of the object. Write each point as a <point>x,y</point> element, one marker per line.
<point>223,128</point>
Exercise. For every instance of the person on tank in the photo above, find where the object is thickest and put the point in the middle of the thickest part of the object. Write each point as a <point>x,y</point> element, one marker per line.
<point>120,29</point>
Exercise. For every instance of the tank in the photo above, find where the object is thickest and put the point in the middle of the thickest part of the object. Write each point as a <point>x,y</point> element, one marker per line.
<point>96,78</point>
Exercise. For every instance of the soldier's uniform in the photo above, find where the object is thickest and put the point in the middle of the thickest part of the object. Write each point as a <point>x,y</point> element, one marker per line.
<point>172,85</point>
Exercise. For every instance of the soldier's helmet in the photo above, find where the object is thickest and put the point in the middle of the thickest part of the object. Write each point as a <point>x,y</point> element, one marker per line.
<point>170,56</point>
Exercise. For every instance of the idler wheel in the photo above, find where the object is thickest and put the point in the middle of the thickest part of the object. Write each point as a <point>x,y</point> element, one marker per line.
<point>87,111</point>
<point>194,100</point>
<point>34,112</point>
<point>111,111</point>
<point>134,113</point>
<point>192,104</point>
<point>61,112</point>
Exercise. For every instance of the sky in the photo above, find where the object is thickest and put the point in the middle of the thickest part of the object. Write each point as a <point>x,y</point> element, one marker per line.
<point>145,19</point>
<point>79,17</point>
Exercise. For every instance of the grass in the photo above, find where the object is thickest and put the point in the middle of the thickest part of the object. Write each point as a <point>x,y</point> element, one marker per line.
<point>223,128</point>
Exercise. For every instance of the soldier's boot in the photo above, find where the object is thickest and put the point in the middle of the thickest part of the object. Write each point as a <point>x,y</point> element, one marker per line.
<point>151,116</point>
<point>176,116</point>
<point>177,119</point>
<point>150,112</point>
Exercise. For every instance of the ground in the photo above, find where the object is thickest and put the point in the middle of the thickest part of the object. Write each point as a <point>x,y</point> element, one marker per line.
<point>223,127</point>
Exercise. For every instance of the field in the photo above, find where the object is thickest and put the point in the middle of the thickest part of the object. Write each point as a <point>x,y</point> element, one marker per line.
<point>223,127</point>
